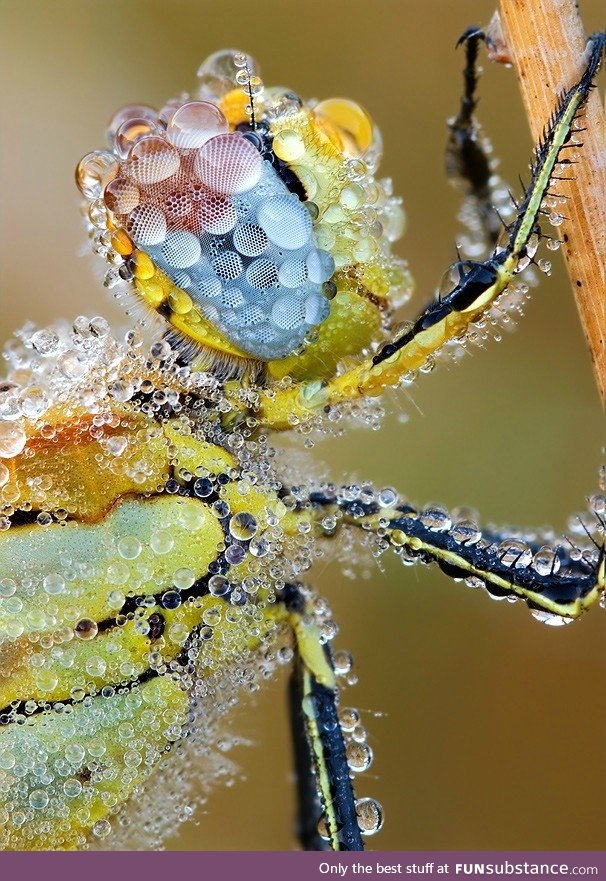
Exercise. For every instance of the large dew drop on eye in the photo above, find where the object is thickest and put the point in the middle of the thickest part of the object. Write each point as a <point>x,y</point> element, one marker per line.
<point>350,122</point>
<point>216,213</point>
<point>121,195</point>
<point>152,160</point>
<point>250,240</point>
<point>181,249</point>
<point>293,273</point>
<point>229,163</point>
<point>262,274</point>
<point>217,74</point>
<point>94,171</point>
<point>227,265</point>
<point>125,114</point>
<point>147,225</point>
<point>288,312</point>
<point>131,132</point>
<point>285,221</point>
<point>320,266</point>
<point>193,124</point>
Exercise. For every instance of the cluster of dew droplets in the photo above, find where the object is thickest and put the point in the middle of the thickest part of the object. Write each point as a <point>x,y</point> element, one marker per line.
<point>102,388</point>
<point>358,752</point>
<point>183,188</point>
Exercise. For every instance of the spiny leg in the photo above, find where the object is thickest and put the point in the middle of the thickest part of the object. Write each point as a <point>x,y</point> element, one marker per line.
<point>323,775</point>
<point>475,287</point>
<point>554,580</point>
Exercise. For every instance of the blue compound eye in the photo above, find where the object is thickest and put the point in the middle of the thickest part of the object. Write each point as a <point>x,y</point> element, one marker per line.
<point>219,221</point>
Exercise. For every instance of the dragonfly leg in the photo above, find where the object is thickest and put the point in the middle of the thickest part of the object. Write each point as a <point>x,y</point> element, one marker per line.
<point>467,163</point>
<point>558,579</point>
<point>325,790</point>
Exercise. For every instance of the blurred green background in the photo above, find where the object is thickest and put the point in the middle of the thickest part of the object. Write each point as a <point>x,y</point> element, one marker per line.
<point>492,726</point>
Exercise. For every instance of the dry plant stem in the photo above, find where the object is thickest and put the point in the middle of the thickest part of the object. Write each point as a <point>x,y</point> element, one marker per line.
<point>545,40</point>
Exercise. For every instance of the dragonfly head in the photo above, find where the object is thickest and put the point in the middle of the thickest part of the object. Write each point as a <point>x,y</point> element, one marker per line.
<point>250,221</point>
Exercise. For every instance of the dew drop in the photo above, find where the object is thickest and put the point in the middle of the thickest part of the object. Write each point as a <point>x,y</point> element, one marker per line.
<point>370,815</point>
<point>218,585</point>
<point>359,756</point>
<point>38,799</point>
<point>171,599</point>
<point>436,519</point>
<point>514,553</point>
<point>387,498</point>
<point>129,547</point>
<point>184,578</point>
<point>102,828</point>
<point>86,629</point>
<point>343,662</point>
<point>12,439</point>
<point>54,584</point>
<point>348,718</point>
<point>546,561</point>
<point>466,532</point>
<point>243,526</point>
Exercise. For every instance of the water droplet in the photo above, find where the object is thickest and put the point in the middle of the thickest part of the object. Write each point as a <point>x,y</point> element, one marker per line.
<point>549,618</point>
<point>162,541</point>
<point>514,553</point>
<point>129,547</point>
<point>388,498</point>
<point>54,584</point>
<point>45,342</point>
<point>184,578</point>
<point>322,828</point>
<point>436,519</point>
<point>348,718</point>
<point>86,629</point>
<point>8,587</point>
<point>72,787</point>
<point>243,526</point>
<point>102,828</point>
<point>370,815</point>
<point>12,439</point>
<point>218,585</point>
<point>466,532</point>
<point>546,561</point>
<point>342,662</point>
<point>359,756</point>
<point>38,799</point>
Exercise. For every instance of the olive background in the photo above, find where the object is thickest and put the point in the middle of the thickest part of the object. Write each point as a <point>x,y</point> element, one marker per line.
<point>491,726</point>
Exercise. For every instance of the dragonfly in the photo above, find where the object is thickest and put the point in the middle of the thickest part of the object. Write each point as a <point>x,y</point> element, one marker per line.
<point>154,555</point>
